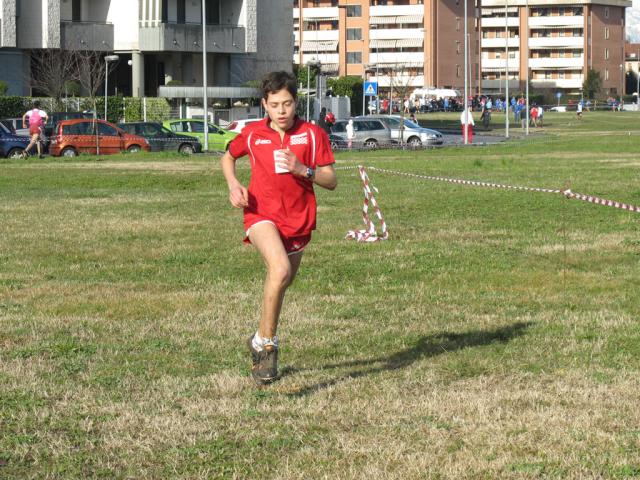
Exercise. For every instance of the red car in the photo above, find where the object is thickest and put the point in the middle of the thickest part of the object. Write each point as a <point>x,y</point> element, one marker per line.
<point>82,135</point>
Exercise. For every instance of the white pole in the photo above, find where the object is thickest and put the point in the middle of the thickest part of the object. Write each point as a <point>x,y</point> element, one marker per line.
<point>466,85</point>
<point>144,108</point>
<point>308,87</point>
<point>205,101</point>
<point>106,80</point>
<point>526,62</point>
<point>506,82</point>
<point>638,78</point>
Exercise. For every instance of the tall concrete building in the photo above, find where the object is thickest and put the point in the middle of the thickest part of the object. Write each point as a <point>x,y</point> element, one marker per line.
<point>391,41</point>
<point>565,40</point>
<point>157,40</point>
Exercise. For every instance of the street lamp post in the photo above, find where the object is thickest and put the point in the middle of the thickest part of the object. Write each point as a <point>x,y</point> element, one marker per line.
<point>107,59</point>
<point>506,81</point>
<point>311,63</point>
<point>205,100</point>
<point>526,61</point>
<point>466,85</point>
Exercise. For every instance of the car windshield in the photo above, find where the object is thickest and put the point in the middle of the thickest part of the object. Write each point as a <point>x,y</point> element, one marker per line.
<point>410,124</point>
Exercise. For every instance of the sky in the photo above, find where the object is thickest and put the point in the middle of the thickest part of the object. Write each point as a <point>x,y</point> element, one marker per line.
<point>633,21</point>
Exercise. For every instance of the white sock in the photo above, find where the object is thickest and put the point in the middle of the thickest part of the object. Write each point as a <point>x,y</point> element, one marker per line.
<point>259,342</point>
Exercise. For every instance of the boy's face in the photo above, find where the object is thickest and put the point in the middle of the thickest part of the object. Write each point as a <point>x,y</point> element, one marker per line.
<point>281,107</point>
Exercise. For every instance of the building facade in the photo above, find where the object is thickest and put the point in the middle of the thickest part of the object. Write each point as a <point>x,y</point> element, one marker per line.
<point>557,41</point>
<point>158,41</point>
<point>389,41</point>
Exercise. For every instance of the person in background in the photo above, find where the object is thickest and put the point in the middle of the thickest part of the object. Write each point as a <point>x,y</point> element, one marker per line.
<point>467,123</point>
<point>37,119</point>
<point>351,134</point>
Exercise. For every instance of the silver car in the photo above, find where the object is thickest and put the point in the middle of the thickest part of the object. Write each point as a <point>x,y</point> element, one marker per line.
<point>414,135</point>
<point>368,132</point>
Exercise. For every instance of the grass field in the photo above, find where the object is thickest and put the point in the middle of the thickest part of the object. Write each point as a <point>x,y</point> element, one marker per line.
<point>494,335</point>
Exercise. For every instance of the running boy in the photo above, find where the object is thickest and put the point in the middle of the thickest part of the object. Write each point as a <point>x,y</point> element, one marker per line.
<point>287,156</point>
<point>37,119</point>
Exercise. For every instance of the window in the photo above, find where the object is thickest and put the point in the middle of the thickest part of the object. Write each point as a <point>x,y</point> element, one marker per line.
<point>458,71</point>
<point>107,130</point>
<point>316,3</point>
<point>457,24</point>
<point>76,10</point>
<point>354,11</point>
<point>354,34</point>
<point>606,32</point>
<point>606,12</point>
<point>81,128</point>
<point>354,57</point>
<point>606,54</point>
<point>606,74</point>
<point>164,14</point>
<point>457,46</point>
<point>182,11</point>
<point>561,75</point>
<point>213,12</point>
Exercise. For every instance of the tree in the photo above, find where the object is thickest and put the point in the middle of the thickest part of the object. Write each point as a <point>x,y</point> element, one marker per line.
<point>349,86</point>
<point>402,77</point>
<point>89,70</point>
<point>592,84</point>
<point>4,87</point>
<point>50,69</point>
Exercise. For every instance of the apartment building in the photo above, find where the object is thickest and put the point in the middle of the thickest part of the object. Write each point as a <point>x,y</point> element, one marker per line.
<point>398,42</point>
<point>563,40</point>
<point>158,41</point>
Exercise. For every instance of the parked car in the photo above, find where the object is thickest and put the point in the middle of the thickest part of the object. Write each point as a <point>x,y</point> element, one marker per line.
<point>11,145</point>
<point>414,135</point>
<point>15,126</point>
<point>559,108</point>
<point>161,138</point>
<point>369,132</point>
<point>238,125</point>
<point>337,142</point>
<point>219,138</point>
<point>72,137</point>
<point>55,117</point>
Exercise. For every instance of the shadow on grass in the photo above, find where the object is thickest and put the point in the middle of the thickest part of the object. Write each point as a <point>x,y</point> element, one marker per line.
<point>426,347</point>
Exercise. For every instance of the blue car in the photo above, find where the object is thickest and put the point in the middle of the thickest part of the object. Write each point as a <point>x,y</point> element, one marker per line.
<point>11,145</point>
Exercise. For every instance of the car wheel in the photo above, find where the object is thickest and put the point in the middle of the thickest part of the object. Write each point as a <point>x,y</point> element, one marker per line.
<point>69,152</point>
<point>335,145</point>
<point>15,153</point>
<point>414,142</point>
<point>371,144</point>
<point>134,149</point>
<point>186,149</point>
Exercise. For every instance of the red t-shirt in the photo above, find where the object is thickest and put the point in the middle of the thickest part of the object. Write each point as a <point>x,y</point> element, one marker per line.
<point>286,200</point>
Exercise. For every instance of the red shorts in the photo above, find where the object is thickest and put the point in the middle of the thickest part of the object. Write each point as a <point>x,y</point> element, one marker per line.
<point>33,129</point>
<point>292,245</point>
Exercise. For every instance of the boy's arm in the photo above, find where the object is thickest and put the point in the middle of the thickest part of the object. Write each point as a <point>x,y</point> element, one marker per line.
<point>24,120</point>
<point>238,194</point>
<point>326,177</point>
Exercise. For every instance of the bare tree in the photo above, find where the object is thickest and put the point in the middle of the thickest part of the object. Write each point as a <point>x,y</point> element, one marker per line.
<point>50,70</point>
<point>402,77</point>
<point>89,71</point>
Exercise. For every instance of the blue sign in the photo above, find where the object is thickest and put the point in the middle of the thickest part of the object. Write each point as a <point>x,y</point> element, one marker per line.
<point>371,89</point>
<point>559,94</point>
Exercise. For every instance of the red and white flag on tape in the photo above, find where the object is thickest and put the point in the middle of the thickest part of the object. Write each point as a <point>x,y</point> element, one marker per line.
<point>370,234</point>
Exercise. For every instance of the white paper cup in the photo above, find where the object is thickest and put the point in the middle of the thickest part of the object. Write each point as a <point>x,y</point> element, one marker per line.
<point>278,156</point>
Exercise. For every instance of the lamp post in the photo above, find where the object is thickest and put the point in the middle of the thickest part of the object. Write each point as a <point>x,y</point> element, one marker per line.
<point>466,85</point>
<point>205,100</point>
<point>506,81</point>
<point>310,63</point>
<point>526,62</point>
<point>107,59</point>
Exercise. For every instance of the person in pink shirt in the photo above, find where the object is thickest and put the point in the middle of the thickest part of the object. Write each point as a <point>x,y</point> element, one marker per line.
<point>37,118</point>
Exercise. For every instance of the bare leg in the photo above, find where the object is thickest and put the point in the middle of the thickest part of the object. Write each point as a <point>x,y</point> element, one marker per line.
<point>34,141</point>
<point>281,270</point>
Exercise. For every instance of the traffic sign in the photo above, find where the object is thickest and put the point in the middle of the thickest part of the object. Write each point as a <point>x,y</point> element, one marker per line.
<point>371,89</point>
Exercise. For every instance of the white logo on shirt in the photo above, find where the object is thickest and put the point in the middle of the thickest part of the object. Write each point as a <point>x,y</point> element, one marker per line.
<point>300,139</point>
<point>261,141</point>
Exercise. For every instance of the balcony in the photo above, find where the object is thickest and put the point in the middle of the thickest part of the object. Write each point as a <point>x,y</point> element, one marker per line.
<point>86,36</point>
<point>324,58</point>
<point>575,62</point>
<point>557,83</point>
<point>395,33</point>
<point>514,42</point>
<point>320,13</point>
<point>499,22</point>
<point>317,35</point>
<point>565,21</point>
<point>410,58</point>
<point>181,37</point>
<point>396,10</point>
<point>559,42</point>
<point>500,63</point>
<point>498,85</point>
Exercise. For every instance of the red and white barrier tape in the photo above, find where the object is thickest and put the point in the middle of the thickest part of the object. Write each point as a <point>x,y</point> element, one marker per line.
<point>566,192</point>
<point>370,234</point>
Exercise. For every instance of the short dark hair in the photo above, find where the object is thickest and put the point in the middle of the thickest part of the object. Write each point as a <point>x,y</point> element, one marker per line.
<point>275,81</point>
<point>36,104</point>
